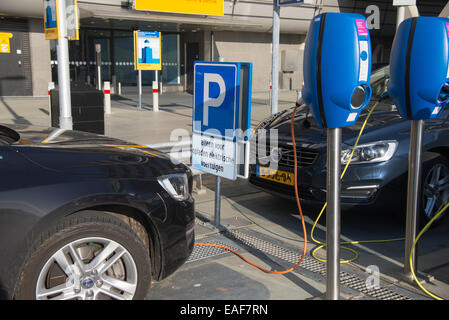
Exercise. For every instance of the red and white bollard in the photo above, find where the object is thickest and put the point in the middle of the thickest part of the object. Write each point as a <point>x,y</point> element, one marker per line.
<point>107,97</point>
<point>155,96</point>
<point>51,86</point>
<point>270,89</point>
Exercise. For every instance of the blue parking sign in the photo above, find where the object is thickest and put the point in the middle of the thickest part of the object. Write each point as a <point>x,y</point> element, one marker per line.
<point>221,117</point>
<point>215,99</point>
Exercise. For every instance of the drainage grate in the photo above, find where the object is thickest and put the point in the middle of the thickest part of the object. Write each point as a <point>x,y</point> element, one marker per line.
<point>312,265</point>
<point>204,252</point>
<point>243,240</point>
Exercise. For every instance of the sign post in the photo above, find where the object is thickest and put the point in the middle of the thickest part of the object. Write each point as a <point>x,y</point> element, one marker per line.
<point>274,85</point>
<point>221,120</point>
<point>275,57</point>
<point>147,56</point>
<point>61,24</point>
<point>98,62</point>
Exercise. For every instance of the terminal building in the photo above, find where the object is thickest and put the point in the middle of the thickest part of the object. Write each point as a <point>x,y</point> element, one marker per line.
<point>243,34</point>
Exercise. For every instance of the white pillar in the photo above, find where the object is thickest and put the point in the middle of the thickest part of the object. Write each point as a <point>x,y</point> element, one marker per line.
<point>62,50</point>
<point>445,12</point>
<point>51,86</point>
<point>155,97</point>
<point>107,97</point>
<point>275,57</point>
<point>400,16</point>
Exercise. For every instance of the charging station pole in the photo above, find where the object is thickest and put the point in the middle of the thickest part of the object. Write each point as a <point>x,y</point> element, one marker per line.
<point>413,193</point>
<point>419,67</point>
<point>329,78</point>
<point>333,213</point>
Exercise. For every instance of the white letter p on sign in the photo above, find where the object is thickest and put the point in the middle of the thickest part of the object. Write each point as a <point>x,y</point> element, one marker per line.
<point>212,102</point>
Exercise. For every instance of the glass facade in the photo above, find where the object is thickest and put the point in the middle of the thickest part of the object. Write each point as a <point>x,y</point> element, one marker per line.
<point>117,58</point>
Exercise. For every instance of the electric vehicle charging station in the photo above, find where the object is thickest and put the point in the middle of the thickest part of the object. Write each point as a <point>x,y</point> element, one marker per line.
<point>419,82</point>
<point>337,69</point>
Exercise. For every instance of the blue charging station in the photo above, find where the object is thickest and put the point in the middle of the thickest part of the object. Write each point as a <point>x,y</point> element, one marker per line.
<point>419,77</point>
<point>337,69</point>
<point>419,68</point>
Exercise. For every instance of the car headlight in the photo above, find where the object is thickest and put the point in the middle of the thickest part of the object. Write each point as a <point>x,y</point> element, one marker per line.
<point>372,152</point>
<point>177,185</point>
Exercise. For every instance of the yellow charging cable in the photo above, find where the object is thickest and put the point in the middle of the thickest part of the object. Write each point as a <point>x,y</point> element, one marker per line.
<point>441,210</point>
<point>322,244</point>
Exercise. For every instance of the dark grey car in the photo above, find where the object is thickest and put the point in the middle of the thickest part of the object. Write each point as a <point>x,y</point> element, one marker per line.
<point>377,175</point>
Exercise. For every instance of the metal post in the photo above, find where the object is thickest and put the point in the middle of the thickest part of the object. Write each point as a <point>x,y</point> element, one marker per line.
<point>333,213</point>
<point>98,60</point>
<point>212,58</point>
<point>413,193</point>
<point>139,87</point>
<point>217,201</point>
<point>62,49</point>
<point>275,58</point>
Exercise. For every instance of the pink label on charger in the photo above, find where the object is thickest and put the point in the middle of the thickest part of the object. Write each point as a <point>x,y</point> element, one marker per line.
<point>361,27</point>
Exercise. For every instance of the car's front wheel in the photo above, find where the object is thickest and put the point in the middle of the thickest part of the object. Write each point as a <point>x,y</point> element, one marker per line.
<point>89,255</point>
<point>434,189</point>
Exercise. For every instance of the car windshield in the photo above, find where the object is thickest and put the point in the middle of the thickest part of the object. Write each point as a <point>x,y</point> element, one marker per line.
<point>8,136</point>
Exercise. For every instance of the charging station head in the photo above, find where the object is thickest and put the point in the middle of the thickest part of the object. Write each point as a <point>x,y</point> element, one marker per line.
<point>419,68</point>
<point>337,68</point>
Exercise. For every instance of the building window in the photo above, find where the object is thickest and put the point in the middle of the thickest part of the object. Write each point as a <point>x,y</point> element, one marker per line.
<point>117,58</point>
<point>170,59</point>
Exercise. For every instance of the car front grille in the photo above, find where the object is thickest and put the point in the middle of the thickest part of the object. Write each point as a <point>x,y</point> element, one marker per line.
<point>306,157</point>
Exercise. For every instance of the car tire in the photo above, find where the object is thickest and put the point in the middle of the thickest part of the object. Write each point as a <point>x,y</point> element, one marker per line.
<point>88,255</point>
<point>434,189</point>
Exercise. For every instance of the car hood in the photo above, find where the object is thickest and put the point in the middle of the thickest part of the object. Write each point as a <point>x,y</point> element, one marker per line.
<point>87,153</point>
<point>43,137</point>
<point>381,125</point>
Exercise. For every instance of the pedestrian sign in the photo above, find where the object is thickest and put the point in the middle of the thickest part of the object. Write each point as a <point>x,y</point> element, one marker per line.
<point>147,50</point>
<point>51,19</point>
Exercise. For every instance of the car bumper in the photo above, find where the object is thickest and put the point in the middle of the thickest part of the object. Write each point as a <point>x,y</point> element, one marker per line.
<point>363,185</point>
<point>177,235</point>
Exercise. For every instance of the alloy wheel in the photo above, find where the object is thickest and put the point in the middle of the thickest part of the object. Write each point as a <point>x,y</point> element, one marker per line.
<point>88,269</point>
<point>435,191</point>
